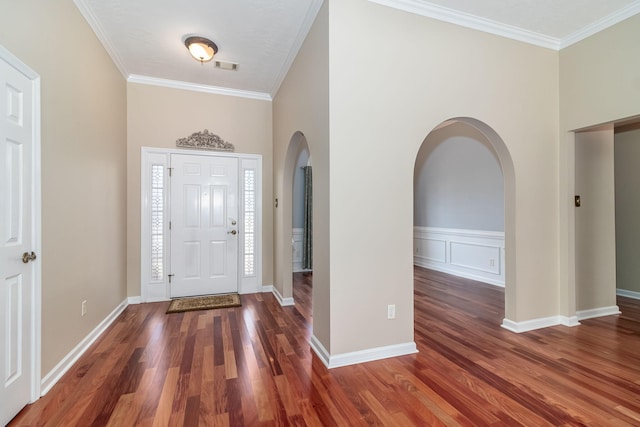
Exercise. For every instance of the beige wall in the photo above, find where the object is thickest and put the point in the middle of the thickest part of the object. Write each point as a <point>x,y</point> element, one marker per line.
<point>627,177</point>
<point>599,77</point>
<point>595,221</point>
<point>83,168</point>
<point>394,77</point>
<point>598,84</point>
<point>302,106</point>
<point>158,116</point>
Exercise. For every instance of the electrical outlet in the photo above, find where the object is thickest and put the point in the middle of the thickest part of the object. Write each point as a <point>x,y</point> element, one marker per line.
<point>391,311</point>
<point>84,307</point>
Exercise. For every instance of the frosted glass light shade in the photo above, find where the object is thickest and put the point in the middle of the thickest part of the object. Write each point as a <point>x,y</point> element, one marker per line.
<point>200,48</point>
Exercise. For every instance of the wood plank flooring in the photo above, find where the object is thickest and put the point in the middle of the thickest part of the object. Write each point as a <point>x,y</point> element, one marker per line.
<point>252,366</point>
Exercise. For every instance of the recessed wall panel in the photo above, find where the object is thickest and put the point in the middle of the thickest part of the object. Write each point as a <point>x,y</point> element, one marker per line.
<point>218,205</point>
<point>217,258</point>
<point>434,250</point>
<point>192,260</point>
<point>191,206</point>
<point>217,170</point>
<point>475,257</point>
<point>12,347</point>
<point>191,169</point>
<point>15,105</point>
<point>14,192</point>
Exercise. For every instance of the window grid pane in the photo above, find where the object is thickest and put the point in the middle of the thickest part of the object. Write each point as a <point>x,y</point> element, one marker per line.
<point>157,222</point>
<point>249,197</point>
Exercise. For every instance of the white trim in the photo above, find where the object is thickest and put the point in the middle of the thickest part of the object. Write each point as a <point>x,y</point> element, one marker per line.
<point>597,312</point>
<point>284,302</point>
<point>361,356</point>
<point>72,357</point>
<point>543,322</point>
<point>319,350</point>
<point>305,27</point>
<point>134,300</point>
<point>601,24</point>
<point>266,289</point>
<point>175,84</point>
<point>463,19</point>
<point>461,232</point>
<point>94,23</point>
<point>35,359</point>
<point>627,293</point>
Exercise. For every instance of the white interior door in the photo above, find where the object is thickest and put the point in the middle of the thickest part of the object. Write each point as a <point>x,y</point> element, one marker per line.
<point>17,237</point>
<point>204,225</point>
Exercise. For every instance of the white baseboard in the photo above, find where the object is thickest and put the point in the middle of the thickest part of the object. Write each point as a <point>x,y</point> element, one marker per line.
<point>361,356</point>
<point>628,294</point>
<point>598,312</point>
<point>319,350</point>
<point>49,380</point>
<point>284,302</point>
<point>543,322</point>
<point>267,289</point>
<point>134,300</point>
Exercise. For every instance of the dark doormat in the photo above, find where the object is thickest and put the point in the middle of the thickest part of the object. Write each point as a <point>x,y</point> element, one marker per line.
<point>206,302</point>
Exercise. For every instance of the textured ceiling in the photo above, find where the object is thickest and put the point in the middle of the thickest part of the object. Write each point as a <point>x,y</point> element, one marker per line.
<point>145,37</point>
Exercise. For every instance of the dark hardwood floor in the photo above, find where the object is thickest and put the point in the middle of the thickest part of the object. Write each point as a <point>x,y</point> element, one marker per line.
<point>252,366</point>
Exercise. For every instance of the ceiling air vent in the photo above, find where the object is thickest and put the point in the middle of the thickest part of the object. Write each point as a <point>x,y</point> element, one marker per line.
<point>226,65</point>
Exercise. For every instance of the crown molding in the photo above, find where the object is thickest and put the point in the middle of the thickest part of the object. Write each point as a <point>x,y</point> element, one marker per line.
<point>85,11</point>
<point>174,84</point>
<point>305,27</point>
<point>602,24</point>
<point>445,14</point>
<point>441,13</point>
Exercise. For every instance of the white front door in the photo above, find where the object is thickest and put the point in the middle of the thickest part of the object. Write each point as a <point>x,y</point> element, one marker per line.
<point>17,237</point>
<point>204,225</point>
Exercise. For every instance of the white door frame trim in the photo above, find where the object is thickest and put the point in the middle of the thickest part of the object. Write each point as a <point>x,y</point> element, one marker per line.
<point>36,221</point>
<point>160,291</point>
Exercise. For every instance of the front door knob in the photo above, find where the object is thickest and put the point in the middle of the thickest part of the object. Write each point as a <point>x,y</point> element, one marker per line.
<point>234,232</point>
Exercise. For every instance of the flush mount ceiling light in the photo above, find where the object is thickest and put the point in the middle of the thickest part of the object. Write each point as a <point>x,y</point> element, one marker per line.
<point>200,48</point>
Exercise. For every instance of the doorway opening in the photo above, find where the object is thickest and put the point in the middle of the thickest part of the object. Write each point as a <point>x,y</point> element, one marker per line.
<point>298,221</point>
<point>464,197</point>
<point>605,220</point>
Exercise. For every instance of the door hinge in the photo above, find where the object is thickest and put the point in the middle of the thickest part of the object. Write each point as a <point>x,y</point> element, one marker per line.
<point>170,171</point>
<point>169,225</point>
<point>170,276</point>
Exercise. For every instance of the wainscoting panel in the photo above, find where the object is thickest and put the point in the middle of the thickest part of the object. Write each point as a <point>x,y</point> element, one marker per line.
<point>474,254</point>
<point>296,241</point>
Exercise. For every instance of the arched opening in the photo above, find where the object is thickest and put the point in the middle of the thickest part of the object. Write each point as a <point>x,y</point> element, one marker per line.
<point>297,220</point>
<point>468,229</point>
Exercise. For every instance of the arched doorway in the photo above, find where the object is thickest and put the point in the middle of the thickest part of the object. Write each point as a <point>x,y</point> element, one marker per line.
<point>297,151</point>
<point>497,258</point>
